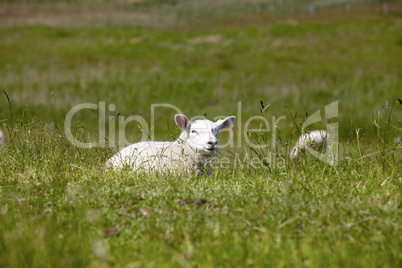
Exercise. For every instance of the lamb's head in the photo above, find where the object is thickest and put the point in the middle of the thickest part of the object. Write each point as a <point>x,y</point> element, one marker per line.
<point>202,135</point>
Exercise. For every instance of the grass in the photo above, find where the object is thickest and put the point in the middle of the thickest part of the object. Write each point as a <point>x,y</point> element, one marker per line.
<point>60,207</point>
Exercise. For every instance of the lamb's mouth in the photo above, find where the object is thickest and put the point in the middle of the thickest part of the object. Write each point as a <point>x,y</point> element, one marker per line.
<point>210,150</point>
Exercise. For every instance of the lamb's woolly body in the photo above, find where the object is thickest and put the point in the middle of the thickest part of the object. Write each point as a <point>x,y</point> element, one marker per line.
<point>153,156</point>
<point>314,139</point>
<point>186,155</point>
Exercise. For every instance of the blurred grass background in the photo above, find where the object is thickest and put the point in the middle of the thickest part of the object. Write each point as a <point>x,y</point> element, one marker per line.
<point>201,56</point>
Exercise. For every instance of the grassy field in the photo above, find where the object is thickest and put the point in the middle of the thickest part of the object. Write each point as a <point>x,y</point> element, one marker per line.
<point>59,207</point>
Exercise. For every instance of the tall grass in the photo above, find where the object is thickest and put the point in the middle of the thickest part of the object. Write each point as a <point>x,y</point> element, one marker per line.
<point>59,207</point>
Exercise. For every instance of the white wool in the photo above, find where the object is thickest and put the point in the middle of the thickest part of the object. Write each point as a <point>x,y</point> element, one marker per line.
<point>314,139</point>
<point>194,150</point>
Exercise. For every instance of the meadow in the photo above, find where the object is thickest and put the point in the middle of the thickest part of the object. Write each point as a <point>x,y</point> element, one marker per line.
<point>60,207</point>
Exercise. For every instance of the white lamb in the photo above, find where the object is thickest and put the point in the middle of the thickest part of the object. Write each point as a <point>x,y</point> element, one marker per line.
<point>2,141</point>
<point>194,150</point>
<point>314,139</point>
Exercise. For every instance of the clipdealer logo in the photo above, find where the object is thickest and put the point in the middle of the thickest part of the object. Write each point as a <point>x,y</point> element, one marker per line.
<point>330,156</point>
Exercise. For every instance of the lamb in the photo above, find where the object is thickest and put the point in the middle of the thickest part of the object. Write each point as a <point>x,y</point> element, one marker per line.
<point>2,141</point>
<point>314,139</point>
<point>193,151</point>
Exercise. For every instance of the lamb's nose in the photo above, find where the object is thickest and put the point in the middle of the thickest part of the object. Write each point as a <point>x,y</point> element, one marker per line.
<point>212,143</point>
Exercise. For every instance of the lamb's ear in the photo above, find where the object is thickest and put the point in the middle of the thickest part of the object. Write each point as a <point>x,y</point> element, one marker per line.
<point>182,121</point>
<point>225,123</point>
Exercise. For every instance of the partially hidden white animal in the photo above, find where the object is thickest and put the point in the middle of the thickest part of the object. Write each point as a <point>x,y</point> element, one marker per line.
<point>192,152</point>
<point>314,139</point>
<point>2,141</point>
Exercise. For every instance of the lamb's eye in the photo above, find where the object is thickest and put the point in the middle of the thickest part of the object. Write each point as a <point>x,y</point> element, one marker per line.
<point>193,131</point>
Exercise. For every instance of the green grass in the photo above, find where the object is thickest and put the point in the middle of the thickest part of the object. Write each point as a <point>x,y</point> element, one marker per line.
<point>57,204</point>
<point>60,207</point>
<point>305,64</point>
